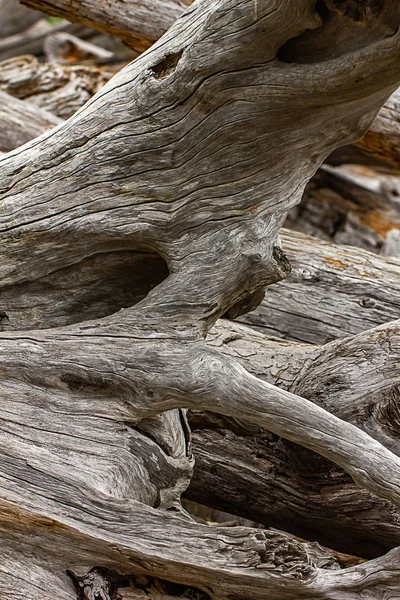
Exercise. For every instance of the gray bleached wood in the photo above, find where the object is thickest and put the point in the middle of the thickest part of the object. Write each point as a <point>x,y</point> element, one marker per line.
<point>195,152</point>
<point>142,22</point>
<point>242,469</point>
<point>332,292</point>
<point>20,121</point>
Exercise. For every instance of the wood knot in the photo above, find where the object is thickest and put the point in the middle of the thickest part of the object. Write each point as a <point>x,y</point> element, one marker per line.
<point>166,65</point>
<point>357,10</point>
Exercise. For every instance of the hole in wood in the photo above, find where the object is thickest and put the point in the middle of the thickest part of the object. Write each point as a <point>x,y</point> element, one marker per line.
<point>347,25</point>
<point>167,65</point>
<point>98,286</point>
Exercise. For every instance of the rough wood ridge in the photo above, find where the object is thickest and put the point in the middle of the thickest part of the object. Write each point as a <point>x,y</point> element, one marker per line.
<point>180,171</point>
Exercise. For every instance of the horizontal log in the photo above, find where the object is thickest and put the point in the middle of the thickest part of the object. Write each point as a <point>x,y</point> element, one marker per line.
<point>289,567</point>
<point>332,292</point>
<point>357,208</point>
<point>20,122</point>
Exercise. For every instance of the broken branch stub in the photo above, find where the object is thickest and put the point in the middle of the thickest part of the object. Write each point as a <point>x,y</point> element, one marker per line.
<point>193,154</point>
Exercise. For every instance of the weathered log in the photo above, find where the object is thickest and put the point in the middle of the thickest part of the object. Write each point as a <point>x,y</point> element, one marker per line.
<point>193,153</point>
<point>144,22</point>
<point>138,23</point>
<point>20,122</point>
<point>59,89</point>
<point>340,207</point>
<point>332,292</point>
<point>242,469</point>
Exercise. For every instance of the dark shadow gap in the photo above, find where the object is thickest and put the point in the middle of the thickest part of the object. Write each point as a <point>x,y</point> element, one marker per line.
<point>97,287</point>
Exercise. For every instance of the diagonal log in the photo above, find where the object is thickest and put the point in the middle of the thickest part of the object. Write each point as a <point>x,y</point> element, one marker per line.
<point>143,22</point>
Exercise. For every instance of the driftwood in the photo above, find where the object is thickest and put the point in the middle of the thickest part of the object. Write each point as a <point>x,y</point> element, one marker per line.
<point>332,292</point>
<point>59,89</point>
<point>184,166</point>
<point>140,26</point>
<point>20,122</point>
<point>148,20</point>
<point>339,207</point>
<point>243,469</point>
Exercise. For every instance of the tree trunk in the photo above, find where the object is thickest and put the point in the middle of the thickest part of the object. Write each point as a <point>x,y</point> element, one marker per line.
<point>165,195</point>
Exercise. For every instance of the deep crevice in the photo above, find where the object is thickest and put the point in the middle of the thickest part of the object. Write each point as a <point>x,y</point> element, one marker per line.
<point>347,26</point>
<point>166,65</point>
<point>96,287</point>
<point>100,582</point>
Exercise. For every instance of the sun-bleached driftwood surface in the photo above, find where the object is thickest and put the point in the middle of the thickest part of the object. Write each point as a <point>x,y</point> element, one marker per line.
<point>332,292</point>
<point>181,171</point>
<point>141,22</point>
<point>242,469</point>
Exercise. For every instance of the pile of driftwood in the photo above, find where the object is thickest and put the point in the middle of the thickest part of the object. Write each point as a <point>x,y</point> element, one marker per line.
<point>149,449</point>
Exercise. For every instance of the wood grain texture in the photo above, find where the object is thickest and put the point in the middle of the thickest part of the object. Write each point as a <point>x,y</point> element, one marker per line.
<point>243,469</point>
<point>332,292</point>
<point>20,122</point>
<point>138,23</point>
<point>194,153</point>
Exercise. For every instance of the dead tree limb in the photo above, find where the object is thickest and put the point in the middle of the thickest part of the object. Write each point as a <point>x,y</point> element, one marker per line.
<point>191,155</point>
<point>332,292</point>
